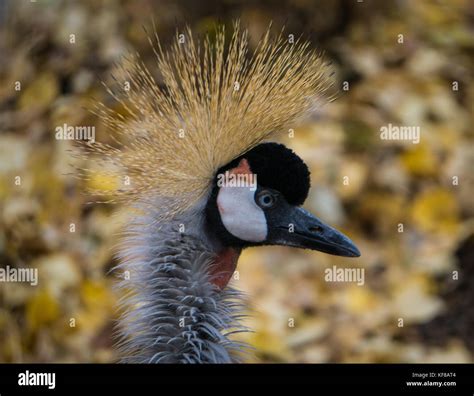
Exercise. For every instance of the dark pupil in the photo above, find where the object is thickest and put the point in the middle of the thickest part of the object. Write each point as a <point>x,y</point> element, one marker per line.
<point>267,199</point>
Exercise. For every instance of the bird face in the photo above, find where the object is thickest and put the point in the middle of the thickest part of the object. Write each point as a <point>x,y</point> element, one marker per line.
<point>256,201</point>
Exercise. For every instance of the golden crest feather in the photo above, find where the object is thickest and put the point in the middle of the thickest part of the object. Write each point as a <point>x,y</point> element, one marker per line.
<point>216,102</point>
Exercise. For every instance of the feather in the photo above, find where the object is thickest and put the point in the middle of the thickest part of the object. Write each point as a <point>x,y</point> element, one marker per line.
<point>218,102</point>
<point>175,316</point>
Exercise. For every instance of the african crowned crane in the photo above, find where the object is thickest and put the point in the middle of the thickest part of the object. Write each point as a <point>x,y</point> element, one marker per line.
<point>183,143</point>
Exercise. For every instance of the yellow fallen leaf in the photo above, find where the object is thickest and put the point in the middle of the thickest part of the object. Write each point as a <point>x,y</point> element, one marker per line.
<point>268,343</point>
<point>40,93</point>
<point>102,182</point>
<point>96,294</point>
<point>41,310</point>
<point>420,161</point>
<point>352,178</point>
<point>360,299</point>
<point>436,210</point>
<point>414,300</point>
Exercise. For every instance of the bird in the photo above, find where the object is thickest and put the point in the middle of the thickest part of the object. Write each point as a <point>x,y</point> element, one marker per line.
<point>194,162</point>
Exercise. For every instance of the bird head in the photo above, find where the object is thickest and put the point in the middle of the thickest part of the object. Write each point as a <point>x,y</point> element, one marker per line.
<point>256,200</point>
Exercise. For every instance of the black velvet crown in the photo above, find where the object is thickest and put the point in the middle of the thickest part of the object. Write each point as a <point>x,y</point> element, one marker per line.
<point>279,168</point>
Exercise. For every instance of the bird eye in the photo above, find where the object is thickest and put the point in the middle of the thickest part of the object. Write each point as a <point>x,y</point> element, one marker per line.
<point>266,199</point>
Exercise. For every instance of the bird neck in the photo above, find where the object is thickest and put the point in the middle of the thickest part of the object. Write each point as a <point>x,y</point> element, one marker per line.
<point>178,308</point>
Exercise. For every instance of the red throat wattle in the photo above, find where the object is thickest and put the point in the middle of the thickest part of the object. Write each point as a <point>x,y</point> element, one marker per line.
<point>224,266</point>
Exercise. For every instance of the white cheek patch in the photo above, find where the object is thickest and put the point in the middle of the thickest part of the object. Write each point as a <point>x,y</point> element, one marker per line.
<point>240,214</point>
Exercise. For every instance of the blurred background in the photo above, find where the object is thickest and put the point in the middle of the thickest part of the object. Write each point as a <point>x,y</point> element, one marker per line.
<point>423,275</point>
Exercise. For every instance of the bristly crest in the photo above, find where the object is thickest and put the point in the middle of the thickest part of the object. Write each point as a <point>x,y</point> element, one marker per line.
<point>216,102</point>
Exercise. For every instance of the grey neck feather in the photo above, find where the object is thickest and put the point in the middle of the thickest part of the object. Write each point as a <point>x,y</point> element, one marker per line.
<point>171,312</point>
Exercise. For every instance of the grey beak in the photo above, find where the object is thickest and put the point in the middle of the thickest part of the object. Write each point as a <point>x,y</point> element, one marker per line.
<point>298,228</point>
